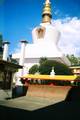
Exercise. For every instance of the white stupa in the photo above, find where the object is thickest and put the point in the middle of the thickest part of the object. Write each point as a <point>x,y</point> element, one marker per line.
<point>52,73</point>
<point>45,43</point>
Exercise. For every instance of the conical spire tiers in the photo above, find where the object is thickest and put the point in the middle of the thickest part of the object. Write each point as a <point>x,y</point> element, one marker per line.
<point>46,15</point>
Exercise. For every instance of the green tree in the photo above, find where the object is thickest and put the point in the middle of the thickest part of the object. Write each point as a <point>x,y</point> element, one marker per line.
<point>33,69</point>
<point>45,67</point>
<point>59,68</point>
<point>42,60</point>
<point>74,60</point>
<point>1,47</point>
<point>1,40</point>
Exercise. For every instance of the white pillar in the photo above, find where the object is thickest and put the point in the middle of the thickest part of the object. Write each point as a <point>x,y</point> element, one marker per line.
<point>22,55</point>
<point>5,51</point>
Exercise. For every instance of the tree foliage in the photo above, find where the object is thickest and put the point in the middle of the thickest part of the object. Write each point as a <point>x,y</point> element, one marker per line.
<point>33,69</point>
<point>74,60</point>
<point>42,60</point>
<point>59,68</point>
<point>45,67</point>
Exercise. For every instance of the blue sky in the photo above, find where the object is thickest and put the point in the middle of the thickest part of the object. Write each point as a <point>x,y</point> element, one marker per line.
<point>19,17</point>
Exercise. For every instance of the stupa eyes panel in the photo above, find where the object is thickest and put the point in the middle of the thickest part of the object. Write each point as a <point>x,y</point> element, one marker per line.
<point>40,32</point>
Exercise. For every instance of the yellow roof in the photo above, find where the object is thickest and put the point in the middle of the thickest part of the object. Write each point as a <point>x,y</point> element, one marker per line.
<point>51,77</point>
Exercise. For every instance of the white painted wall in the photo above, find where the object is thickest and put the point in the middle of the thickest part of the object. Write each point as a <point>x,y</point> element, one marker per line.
<point>51,34</point>
<point>44,47</point>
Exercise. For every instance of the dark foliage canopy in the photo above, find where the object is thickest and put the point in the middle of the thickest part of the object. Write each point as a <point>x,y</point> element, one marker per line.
<point>59,68</point>
<point>33,69</point>
<point>46,67</point>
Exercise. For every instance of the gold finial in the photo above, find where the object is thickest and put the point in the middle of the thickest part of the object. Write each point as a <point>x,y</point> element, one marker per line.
<point>46,15</point>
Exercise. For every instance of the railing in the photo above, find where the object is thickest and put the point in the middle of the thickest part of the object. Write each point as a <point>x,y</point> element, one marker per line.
<point>61,80</point>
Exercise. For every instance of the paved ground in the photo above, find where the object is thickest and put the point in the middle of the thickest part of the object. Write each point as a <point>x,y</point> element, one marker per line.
<point>37,97</point>
<point>29,107</point>
<point>60,111</point>
<point>29,102</point>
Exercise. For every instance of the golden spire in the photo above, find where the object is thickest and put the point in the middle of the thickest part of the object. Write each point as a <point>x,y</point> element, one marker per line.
<point>46,15</point>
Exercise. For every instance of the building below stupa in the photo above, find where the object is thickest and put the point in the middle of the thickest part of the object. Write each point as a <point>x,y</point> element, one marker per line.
<point>45,43</point>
